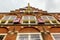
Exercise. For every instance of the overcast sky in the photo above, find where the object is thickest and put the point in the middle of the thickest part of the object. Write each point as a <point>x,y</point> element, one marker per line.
<point>49,5</point>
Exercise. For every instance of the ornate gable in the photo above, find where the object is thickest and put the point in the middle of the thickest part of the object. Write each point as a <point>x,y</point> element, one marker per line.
<point>28,9</point>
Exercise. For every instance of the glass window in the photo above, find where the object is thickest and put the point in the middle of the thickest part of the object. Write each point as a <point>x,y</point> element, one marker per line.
<point>35,37</point>
<point>54,21</point>
<point>32,18</point>
<point>25,19</point>
<point>51,18</point>
<point>44,17</point>
<point>29,20</point>
<point>2,36</point>
<point>29,36</point>
<point>12,18</point>
<point>56,36</point>
<point>6,18</point>
<point>23,37</point>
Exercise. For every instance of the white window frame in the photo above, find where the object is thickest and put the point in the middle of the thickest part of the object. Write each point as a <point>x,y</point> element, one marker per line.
<point>17,38</point>
<point>35,20</point>
<point>8,19</point>
<point>3,18</point>
<point>29,20</point>
<point>43,18</point>
<point>22,21</point>
<point>51,19</point>
<point>4,36</point>
<point>53,36</point>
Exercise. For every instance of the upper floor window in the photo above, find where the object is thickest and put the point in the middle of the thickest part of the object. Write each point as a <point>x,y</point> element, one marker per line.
<point>49,19</point>
<point>8,19</point>
<point>29,20</point>
<point>44,17</point>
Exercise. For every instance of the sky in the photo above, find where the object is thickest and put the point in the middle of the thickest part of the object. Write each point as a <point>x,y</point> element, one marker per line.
<point>48,5</point>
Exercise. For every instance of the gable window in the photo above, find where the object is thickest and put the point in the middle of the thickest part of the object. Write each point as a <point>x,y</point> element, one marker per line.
<point>50,19</point>
<point>45,19</point>
<point>7,19</point>
<point>55,36</point>
<point>29,20</point>
<point>4,19</point>
<point>53,20</point>
<point>11,19</point>
<point>29,36</point>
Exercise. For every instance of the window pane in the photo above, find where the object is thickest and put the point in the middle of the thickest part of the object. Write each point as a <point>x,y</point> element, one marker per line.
<point>1,37</point>
<point>56,36</point>
<point>32,17</point>
<point>25,17</point>
<point>6,17</point>
<point>44,18</point>
<point>12,17</point>
<point>54,21</point>
<point>35,37</point>
<point>23,37</point>
<point>51,17</point>
<point>32,21</point>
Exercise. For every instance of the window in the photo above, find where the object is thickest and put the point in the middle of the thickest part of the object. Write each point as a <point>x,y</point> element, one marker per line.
<point>44,17</point>
<point>54,21</point>
<point>55,36</point>
<point>7,19</point>
<point>46,20</point>
<point>23,37</point>
<point>25,19</point>
<point>33,19</point>
<point>47,17</point>
<point>4,19</point>
<point>29,20</point>
<point>35,37</point>
<point>11,19</point>
<point>2,36</point>
<point>29,36</point>
<point>51,18</point>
